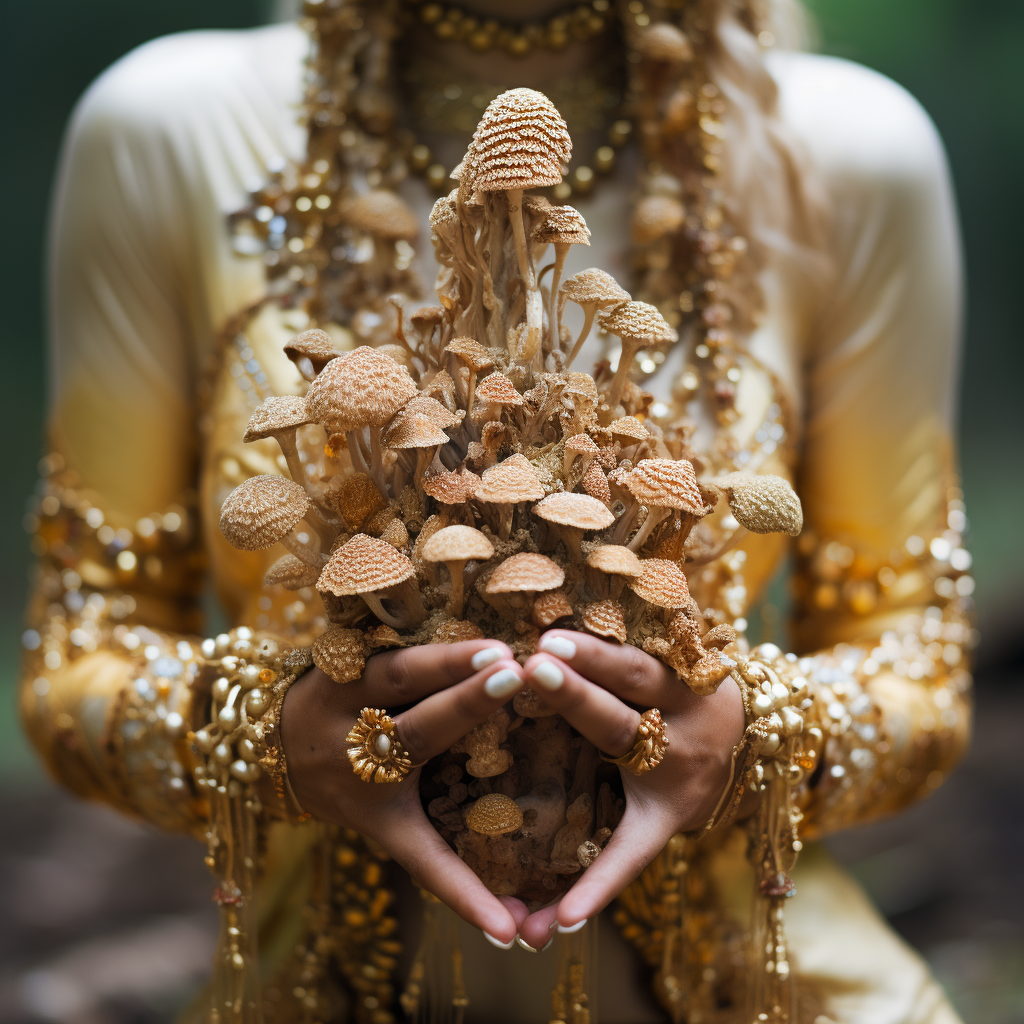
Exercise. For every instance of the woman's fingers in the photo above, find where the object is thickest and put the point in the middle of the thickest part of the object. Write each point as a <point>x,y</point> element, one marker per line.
<point>409,837</point>
<point>394,678</point>
<point>442,719</point>
<point>622,669</point>
<point>599,715</point>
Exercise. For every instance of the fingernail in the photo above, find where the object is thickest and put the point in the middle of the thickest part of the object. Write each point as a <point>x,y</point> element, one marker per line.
<point>503,684</point>
<point>530,949</point>
<point>497,942</point>
<point>549,675</point>
<point>568,929</point>
<point>488,656</point>
<point>559,646</point>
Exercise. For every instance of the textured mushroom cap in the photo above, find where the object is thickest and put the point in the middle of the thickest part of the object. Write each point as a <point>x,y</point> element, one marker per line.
<point>380,212</point>
<point>471,352</point>
<point>536,204</point>
<point>455,631</point>
<point>655,217</point>
<point>550,607</point>
<point>278,412</point>
<point>262,510</point>
<point>451,488</point>
<point>629,427</point>
<point>383,636</point>
<point>496,387</point>
<point>640,322</point>
<point>457,544</point>
<point>580,385</point>
<point>595,483</point>
<point>567,508</point>
<point>664,42</point>
<point>340,653</point>
<point>763,504</point>
<point>666,483</point>
<point>444,212</point>
<point>509,482</point>
<point>605,618</point>
<point>525,572</point>
<point>563,225</point>
<point>594,286</point>
<point>315,345</point>
<point>521,142</point>
<point>292,573</point>
<point>425,405</point>
<point>362,388</point>
<point>427,316</point>
<point>356,499</point>
<point>415,431</point>
<point>362,565</point>
<point>662,584</point>
<point>616,560</point>
<point>442,388</point>
<point>581,444</point>
<point>494,814</point>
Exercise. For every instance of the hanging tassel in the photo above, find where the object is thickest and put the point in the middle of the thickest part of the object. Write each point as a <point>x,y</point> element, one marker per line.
<point>435,992</point>
<point>572,998</point>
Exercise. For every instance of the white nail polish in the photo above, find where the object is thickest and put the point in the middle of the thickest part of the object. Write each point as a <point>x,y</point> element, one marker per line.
<point>488,656</point>
<point>503,684</point>
<point>559,646</point>
<point>530,949</point>
<point>497,942</point>
<point>569,929</point>
<point>549,675</point>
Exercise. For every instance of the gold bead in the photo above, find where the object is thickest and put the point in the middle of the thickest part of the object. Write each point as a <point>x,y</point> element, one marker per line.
<point>431,14</point>
<point>519,46</point>
<point>583,180</point>
<point>446,30</point>
<point>619,132</point>
<point>436,175</point>
<point>562,191</point>
<point>604,159</point>
<point>419,157</point>
<point>481,40</point>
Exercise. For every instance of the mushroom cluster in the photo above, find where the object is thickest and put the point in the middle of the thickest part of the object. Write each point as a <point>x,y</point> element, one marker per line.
<point>466,482</point>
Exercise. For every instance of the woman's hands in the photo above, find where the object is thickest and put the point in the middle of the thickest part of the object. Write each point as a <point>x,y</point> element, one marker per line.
<point>588,681</point>
<point>451,689</point>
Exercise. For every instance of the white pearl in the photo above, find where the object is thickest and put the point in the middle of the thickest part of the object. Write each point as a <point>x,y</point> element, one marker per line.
<point>780,694</point>
<point>762,704</point>
<point>223,641</point>
<point>792,721</point>
<point>222,753</point>
<point>250,674</point>
<point>766,652</point>
<point>771,744</point>
<point>382,745</point>
<point>221,687</point>
<point>775,722</point>
<point>208,647</point>
<point>228,716</point>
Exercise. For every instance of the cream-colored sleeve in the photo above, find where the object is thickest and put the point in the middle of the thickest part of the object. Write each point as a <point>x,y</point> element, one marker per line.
<point>882,585</point>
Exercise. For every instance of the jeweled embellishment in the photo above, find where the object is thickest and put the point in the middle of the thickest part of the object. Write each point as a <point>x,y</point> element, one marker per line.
<point>375,751</point>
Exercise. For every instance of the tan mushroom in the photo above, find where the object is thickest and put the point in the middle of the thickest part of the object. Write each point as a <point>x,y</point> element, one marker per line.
<point>570,515</point>
<point>662,584</point>
<point>419,433</point>
<point>360,389</point>
<point>638,325</point>
<point>591,290</point>
<point>631,434</point>
<point>311,351</point>
<point>579,446</point>
<point>665,43</point>
<point>355,499</point>
<point>451,488</point>
<point>455,546</point>
<point>616,561</point>
<point>486,758</point>
<point>762,504</point>
<point>266,509</point>
<point>292,573</point>
<point>496,392</point>
<point>595,483</point>
<point>549,607</point>
<point>372,569</point>
<point>475,357</point>
<point>521,142</point>
<point>515,581</point>
<point>340,653</point>
<point>442,389</point>
<point>506,485</point>
<point>280,417</point>
<point>605,618</point>
<point>562,226</point>
<point>665,486</point>
<point>494,814</point>
<point>426,405</point>
<point>655,217</point>
<point>456,631</point>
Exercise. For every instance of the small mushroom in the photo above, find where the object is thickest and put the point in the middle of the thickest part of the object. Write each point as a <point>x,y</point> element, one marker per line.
<point>455,546</point>
<point>522,576</point>
<point>311,351</point>
<point>494,814</point>
<point>662,584</point>
<point>496,392</point>
<point>475,357</point>
<point>617,561</point>
<point>386,218</point>
<point>340,653</point>
<point>638,325</point>
<point>418,433</point>
<point>506,485</point>
<point>549,607</point>
<point>571,515</point>
<point>665,486</point>
<point>762,504</point>
<point>595,483</point>
<point>579,446</point>
<point>664,43</point>
<point>292,573</point>
<point>280,417</point>
<point>606,618</point>
<point>562,226</point>
<point>591,290</point>
<point>266,509</point>
<point>655,217</point>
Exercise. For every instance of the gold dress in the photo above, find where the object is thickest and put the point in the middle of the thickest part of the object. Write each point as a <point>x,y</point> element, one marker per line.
<point>849,394</point>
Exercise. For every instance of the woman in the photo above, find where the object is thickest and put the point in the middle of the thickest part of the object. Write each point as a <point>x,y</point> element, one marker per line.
<point>795,220</point>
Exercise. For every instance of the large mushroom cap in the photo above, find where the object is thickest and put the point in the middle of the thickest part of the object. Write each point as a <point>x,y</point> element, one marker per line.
<point>567,508</point>
<point>340,653</point>
<point>594,286</point>
<point>451,488</point>
<point>278,412</point>
<point>580,385</point>
<point>414,431</point>
<point>521,142</point>
<point>763,504</point>
<point>640,322</point>
<point>549,607</point>
<point>362,388</point>
<point>496,387</point>
<point>494,814</point>
<point>629,429</point>
<point>315,345</point>
<point>426,405</point>
<point>616,560</point>
<point>662,584</point>
<point>262,510</point>
<point>563,225</point>
<point>525,572</point>
<point>457,544</point>
<point>292,573</point>
<point>380,212</point>
<point>471,352</point>
<point>666,483</point>
<point>606,618</point>
<point>509,482</point>
<point>363,565</point>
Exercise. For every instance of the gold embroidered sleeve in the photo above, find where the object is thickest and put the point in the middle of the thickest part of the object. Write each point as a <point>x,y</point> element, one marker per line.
<point>892,688</point>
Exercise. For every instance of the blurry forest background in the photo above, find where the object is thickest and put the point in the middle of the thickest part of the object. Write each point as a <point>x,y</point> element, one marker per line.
<point>104,922</point>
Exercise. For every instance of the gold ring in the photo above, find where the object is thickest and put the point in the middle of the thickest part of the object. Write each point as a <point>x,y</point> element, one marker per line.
<point>375,751</point>
<point>648,748</point>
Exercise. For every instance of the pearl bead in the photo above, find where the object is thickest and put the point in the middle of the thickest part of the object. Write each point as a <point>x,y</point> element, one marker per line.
<point>382,745</point>
<point>792,721</point>
<point>771,744</point>
<point>762,704</point>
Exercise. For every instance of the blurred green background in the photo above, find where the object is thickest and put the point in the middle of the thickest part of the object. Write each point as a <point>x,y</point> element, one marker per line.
<point>944,874</point>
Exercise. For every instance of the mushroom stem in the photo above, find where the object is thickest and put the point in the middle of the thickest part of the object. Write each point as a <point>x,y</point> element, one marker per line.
<point>355,452</point>
<point>571,538</point>
<point>456,569</point>
<point>555,318</point>
<point>534,303</point>
<point>629,349</point>
<point>377,607</point>
<point>654,516</point>
<point>305,553</point>
<point>505,520</point>
<point>376,466</point>
<point>589,312</point>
